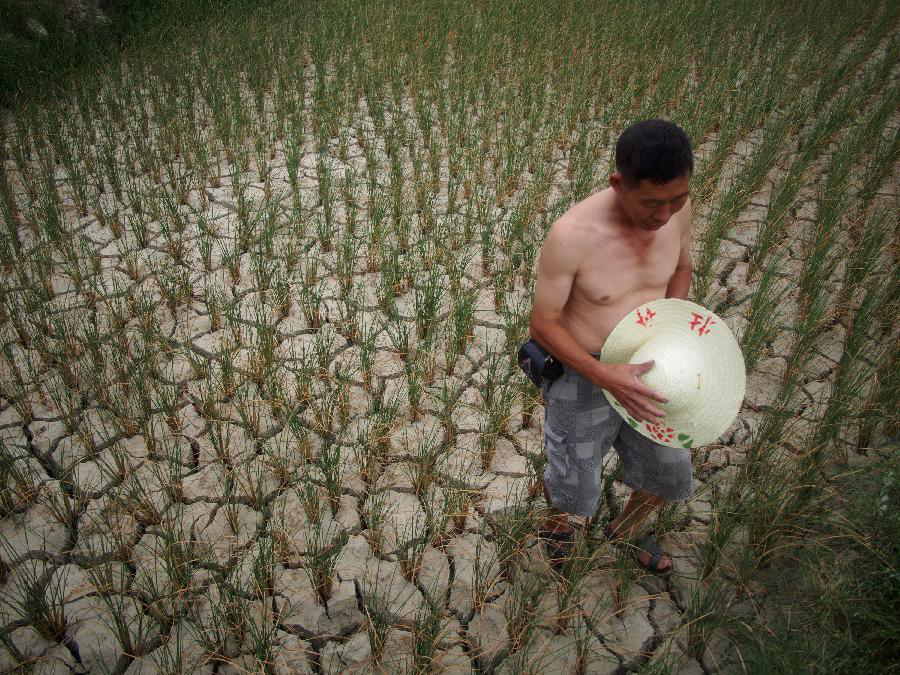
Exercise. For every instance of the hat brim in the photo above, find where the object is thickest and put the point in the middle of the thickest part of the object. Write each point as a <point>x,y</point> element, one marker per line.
<point>698,366</point>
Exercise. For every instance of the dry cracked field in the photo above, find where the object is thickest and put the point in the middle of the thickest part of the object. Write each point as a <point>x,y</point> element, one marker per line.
<point>259,407</point>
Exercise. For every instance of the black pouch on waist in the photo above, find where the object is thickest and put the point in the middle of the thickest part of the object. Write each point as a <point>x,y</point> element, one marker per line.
<point>538,364</point>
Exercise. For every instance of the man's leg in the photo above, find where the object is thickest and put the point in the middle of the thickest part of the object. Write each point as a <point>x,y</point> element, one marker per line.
<point>579,425</point>
<point>556,531</point>
<point>556,519</point>
<point>561,404</point>
<point>639,506</point>
<point>658,475</point>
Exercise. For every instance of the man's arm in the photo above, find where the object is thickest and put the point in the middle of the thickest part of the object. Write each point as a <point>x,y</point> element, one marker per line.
<point>680,282</point>
<point>557,266</point>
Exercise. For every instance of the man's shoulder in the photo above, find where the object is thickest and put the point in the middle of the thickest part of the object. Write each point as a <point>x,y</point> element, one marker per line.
<point>586,221</point>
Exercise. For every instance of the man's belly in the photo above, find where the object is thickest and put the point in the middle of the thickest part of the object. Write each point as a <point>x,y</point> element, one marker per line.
<point>590,324</point>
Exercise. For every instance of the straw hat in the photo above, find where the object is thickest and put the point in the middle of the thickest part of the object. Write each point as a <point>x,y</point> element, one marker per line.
<point>698,367</point>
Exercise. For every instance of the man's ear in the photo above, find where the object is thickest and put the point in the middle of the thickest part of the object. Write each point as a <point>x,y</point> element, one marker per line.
<point>616,181</point>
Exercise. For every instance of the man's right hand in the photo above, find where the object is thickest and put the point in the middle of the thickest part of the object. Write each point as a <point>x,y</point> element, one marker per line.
<point>623,381</point>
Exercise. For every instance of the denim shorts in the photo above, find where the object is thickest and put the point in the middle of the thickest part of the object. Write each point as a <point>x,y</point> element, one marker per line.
<point>579,427</point>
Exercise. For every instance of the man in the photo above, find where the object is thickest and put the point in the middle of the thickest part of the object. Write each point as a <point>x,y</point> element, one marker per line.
<point>608,254</point>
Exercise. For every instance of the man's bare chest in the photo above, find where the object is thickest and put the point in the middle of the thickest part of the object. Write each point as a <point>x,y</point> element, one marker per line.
<point>622,267</point>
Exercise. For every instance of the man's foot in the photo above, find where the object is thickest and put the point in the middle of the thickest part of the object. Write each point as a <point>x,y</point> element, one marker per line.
<point>651,557</point>
<point>647,553</point>
<point>558,544</point>
<point>559,539</point>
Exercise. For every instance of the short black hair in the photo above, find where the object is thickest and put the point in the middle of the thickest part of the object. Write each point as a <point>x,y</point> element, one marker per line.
<point>654,150</point>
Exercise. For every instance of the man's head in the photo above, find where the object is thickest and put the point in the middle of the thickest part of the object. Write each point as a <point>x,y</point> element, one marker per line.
<point>654,162</point>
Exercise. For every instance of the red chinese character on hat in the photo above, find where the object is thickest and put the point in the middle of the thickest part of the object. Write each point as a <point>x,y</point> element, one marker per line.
<point>699,324</point>
<point>644,319</point>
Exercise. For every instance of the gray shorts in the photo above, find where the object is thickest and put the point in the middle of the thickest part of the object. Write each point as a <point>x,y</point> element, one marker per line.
<point>579,427</point>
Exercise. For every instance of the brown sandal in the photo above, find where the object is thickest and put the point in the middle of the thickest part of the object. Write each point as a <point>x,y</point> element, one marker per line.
<point>646,544</point>
<point>558,544</point>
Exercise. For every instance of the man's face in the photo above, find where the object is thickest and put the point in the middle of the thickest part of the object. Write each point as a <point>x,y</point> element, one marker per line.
<point>650,205</point>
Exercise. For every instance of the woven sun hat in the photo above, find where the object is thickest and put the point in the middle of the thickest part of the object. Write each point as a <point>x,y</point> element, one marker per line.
<point>698,367</point>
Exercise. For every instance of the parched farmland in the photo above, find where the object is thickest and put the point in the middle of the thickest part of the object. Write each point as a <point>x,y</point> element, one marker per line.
<point>261,289</point>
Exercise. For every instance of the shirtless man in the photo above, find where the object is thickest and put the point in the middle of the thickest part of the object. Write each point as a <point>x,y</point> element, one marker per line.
<point>608,254</point>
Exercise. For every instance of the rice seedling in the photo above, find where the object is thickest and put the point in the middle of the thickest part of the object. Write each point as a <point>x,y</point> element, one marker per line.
<point>511,528</point>
<point>526,591</point>
<point>379,622</point>
<point>311,305</point>
<point>462,321</point>
<point>447,398</point>
<point>863,258</point>
<point>325,232</point>
<point>375,514</point>
<point>329,463</point>
<point>367,454</point>
<point>366,335</point>
<point>849,385</point>
<point>763,316</point>
<point>705,614</point>
<point>876,412</point>
<point>383,414</point>
<point>219,630</point>
<point>881,159</point>
<point>132,627</point>
<point>498,402</point>
<point>769,514</point>
<point>399,336</point>
<point>427,301</point>
<point>808,328</point>
<point>324,544</point>
<point>18,480</point>
<point>411,544</point>
<point>415,387</point>
<point>486,575</point>
<point>571,582</point>
<point>424,458</point>
<point>39,600</point>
